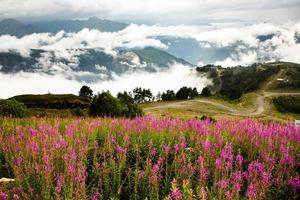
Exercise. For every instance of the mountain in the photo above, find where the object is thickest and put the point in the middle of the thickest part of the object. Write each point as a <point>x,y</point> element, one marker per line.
<point>19,29</point>
<point>16,28</point>
<point>89,64</point>
<point>77,25</point>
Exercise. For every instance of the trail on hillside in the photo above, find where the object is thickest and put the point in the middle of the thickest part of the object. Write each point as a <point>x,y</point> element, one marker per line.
<point>259,103</point>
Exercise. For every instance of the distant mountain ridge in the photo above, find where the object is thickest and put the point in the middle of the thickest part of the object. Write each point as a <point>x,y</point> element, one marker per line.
<point>89,64</point>
<point>77,25</point>
<point>16,28</point>
<point>19,29</point>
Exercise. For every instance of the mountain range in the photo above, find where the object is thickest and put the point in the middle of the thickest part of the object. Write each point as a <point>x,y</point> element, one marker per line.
<point>89,64</point>
<point>19,29</point>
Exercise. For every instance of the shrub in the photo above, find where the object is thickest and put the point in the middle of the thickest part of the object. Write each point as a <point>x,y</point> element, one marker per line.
<point>206,92</point>
<point>12,108</point>
<point>287,104</point>
<point>186,93</point>
<point>105,104</point>
<point>168,95</point>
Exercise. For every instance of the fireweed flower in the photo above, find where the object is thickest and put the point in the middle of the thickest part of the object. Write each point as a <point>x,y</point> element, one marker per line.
<point>59,183</point>
<point>167,149</point>
<point>176,194</point>
<point>3,196</point>
<point>294,183</point>
<point>251,191</point>
<point>121,150</point>
<point>96,196</point>
<point>34,147</point>
<point>206,145</point>
<point>18,161</point>
<point>223,184</point>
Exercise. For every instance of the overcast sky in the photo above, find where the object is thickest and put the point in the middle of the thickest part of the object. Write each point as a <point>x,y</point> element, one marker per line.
<point>154,11</point>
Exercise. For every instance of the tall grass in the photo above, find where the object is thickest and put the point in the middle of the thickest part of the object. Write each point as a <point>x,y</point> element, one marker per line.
<point>148,158</point>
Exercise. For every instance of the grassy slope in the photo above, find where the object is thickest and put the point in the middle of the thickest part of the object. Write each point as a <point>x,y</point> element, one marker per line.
<point>247,103</point>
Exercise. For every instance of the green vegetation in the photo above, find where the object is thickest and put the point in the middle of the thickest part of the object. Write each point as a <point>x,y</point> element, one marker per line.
<point>12,108</point>
<point>206,92</point>
<point>141,95</point>
<point>104,104</point>
<point>86,91</point>
<point>169,95</point>
<point>287,104</point>
<point>186,93</point>
<point>235,81</point>
<point>53,101</point>
<point>290,77</point>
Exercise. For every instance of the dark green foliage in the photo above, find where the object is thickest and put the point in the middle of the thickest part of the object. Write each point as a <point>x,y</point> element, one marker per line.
<point>142,95</point>
<point>238,80</point>
<point>125,97</point>
<point>130,109</point>
<point>292,77</point>
<point>104,104</point>
<point>206,92</point>
<point>86,91</point>
<point>78,112</point>
<point>168,95</point>
<point>287,104</point>
<point>54,101</point>
<point>186,93</point>
<point>12,108</point>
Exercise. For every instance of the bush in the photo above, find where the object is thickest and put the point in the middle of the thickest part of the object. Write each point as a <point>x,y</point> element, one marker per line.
<point>12,108</point>
<point>287,104</point>
<point>168,95</point>
<point>206,92</point>
<point>186,93</point>
<point>105,104</point>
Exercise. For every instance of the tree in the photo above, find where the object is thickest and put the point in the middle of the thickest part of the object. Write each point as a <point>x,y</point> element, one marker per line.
<point>12,108</point>
<point>206,92</point>
<point>125,97</point>
<point>168,95</point>
<point>142,95</point>
<point>86,91</point>
<point>105,104</point>
<point>186,93</point>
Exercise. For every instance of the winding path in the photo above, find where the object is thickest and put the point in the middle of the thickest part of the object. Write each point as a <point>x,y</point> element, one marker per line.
<point>259,103</point>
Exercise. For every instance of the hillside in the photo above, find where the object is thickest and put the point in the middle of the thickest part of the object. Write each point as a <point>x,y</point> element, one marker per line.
<point>235,81</point>
<point>256,99</point>
<point>53,101</point>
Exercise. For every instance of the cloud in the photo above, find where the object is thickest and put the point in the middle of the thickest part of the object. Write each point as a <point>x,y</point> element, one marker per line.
<point>36,83</point>
<point>241,39</point>
<point>166,10</point>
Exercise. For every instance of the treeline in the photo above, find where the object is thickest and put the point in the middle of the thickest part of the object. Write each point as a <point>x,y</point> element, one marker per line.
<point>287,104</point>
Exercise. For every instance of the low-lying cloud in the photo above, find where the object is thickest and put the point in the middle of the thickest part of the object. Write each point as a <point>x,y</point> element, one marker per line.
<point>35,83</point>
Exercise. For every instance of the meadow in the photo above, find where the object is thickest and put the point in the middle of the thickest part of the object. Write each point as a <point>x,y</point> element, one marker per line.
<point>148,158</point>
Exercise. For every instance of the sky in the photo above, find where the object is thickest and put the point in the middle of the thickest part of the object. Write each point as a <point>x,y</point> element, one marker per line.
<point>154,11</point>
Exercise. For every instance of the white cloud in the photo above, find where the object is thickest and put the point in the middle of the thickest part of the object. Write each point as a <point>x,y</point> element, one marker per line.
<point>242,59</point>
<point>163,10</point>
<point>35,83</point>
